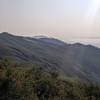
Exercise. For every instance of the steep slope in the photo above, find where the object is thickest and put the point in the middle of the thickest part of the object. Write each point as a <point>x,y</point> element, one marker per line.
<point>74,60</point>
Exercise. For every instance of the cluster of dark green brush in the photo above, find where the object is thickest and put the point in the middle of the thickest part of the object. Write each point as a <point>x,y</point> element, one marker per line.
<point>20,82</point>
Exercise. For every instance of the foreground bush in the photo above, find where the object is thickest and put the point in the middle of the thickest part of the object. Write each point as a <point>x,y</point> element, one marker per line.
<point>33,83</point>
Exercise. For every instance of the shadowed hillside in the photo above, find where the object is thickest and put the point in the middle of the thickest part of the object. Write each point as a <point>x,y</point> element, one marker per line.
<point>76,61</point>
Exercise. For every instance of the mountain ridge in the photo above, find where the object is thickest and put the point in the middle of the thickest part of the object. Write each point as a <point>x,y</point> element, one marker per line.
<point>74,60</point>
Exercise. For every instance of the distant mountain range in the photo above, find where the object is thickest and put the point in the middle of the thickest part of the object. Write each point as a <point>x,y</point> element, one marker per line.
<point>76,61</point>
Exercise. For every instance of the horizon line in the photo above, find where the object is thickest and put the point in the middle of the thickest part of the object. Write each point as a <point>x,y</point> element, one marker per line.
<point>73,37</point>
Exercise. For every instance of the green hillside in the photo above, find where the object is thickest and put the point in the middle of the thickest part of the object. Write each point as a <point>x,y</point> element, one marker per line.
<point>75,61</point>
<point>20,82</point>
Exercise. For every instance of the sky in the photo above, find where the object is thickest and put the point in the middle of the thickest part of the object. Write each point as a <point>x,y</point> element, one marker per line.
<point>55,18</point>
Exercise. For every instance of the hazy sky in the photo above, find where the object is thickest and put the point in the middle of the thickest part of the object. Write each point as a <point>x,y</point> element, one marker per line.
<point>58,18</point>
